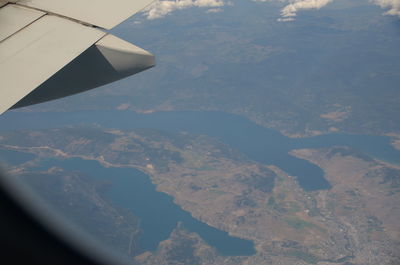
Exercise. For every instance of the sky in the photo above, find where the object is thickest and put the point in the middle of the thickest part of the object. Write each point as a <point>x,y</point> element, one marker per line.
<point>289,11</point>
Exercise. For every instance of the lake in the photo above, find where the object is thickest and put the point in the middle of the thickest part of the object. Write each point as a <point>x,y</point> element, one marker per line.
<point>12,157</point>
<point>159,214</point>
<point>261,144</point>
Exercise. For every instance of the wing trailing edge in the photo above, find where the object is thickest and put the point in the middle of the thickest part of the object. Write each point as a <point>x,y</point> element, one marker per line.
<point>44,56</point>
<point>109,60</point>
<point>32,55</point>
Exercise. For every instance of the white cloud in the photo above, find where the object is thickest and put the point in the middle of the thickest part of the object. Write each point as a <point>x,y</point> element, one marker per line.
<point>214,10</point>
<point>290,11</point>
<point>160,8</point>
<point>285,19</point>
<point>392,5</point>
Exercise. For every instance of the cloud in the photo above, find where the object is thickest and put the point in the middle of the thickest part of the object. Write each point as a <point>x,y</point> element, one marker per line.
<point>285,19</point>
<point>290,11</point>
<point>160,8</point>
<point>214,10</point>
<point>392,5</point>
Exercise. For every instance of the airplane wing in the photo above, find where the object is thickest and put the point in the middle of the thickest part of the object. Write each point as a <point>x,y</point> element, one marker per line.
<point>103,13</point>
<point>54,48</point>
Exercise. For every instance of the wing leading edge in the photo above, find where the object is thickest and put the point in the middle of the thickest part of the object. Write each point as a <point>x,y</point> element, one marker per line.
<point>103,13</point>
<point>44,56</point>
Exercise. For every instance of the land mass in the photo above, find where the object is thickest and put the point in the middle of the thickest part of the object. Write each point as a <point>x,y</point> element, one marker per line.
<point>354,222</point>
<point>333,70</point>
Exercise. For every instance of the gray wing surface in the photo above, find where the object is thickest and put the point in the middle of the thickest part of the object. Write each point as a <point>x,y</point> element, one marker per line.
<point>103,13</point>
<point>51,48</point>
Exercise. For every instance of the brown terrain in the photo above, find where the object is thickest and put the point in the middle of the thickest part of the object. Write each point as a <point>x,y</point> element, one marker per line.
<point>354,222</point>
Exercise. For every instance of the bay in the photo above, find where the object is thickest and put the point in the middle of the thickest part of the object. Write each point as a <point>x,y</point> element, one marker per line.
<point>134,190</point>
<point>260,144</point>
<point>14,158</point>
<point>158,214</point>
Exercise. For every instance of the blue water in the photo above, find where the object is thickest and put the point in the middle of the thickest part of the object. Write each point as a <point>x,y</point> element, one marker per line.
<point>12,157</point>
<point>159,215</point>
<point>261,144</point>
<point>134,190</point>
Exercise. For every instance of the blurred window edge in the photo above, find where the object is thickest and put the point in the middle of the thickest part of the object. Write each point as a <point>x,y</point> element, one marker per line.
<point>33,232</point>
